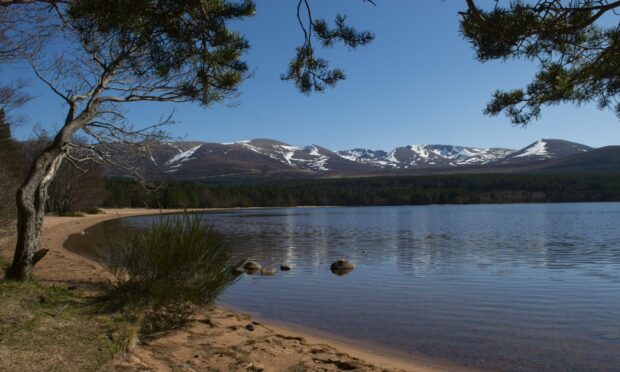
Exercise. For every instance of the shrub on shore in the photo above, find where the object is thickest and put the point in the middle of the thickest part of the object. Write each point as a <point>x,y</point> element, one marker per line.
<point>164,269</point>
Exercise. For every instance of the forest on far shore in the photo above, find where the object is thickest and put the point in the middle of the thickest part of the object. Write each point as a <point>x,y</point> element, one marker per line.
<point>370,191</point>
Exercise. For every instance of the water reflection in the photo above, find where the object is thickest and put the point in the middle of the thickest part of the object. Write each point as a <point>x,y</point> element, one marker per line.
<point>510,287</point>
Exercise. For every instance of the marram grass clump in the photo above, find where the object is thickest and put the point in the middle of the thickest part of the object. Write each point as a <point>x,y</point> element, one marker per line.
<point>169,266</point>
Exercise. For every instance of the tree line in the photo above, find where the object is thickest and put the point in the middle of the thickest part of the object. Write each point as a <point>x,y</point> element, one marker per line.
<point>12,162</point>
<point>404,190</point>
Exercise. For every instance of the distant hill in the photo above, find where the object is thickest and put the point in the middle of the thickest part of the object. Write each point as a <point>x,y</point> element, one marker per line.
<point>266,158</point>
<point>602,160</point>
<point>544,149</point>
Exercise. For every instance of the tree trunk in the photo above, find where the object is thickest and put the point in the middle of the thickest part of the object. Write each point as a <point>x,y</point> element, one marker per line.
<point>32,195</point>
<point>31,199</point>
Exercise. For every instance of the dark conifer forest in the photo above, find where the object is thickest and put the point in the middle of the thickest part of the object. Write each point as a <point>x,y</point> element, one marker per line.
<point>371,191</point>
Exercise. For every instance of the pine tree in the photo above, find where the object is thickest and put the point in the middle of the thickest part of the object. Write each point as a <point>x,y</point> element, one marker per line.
<point>575,42</point>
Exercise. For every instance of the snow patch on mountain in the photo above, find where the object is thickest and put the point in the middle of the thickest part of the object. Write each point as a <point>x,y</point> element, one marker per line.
<point>425,155</point>
<point>539,148</point>
<point>392,159</point>
<point>288,153</point>
<point>351,155</point>
<point>319,162</point>
<point>419,150</point>
<point>247,145</point>
<point>486,156</point>
<point>236,142</point>
<point>277,152</point>
<point>183,156</point>
<point>450,152</point>
<point>308,157</point>
<point>302,157</point>
<point>371,157</point>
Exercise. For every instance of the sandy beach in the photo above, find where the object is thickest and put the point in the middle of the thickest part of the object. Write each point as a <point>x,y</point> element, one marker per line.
<point>216,338</point>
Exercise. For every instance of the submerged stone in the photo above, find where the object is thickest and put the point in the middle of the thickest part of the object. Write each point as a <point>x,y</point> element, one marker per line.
<point>251,267</point>
<point>341,267</point>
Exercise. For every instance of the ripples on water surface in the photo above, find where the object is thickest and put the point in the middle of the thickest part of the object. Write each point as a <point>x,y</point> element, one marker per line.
<point>506,287</point>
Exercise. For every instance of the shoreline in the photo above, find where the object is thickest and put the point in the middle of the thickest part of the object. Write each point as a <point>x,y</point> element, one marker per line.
<point>382,355</point>
<point>64,266</point>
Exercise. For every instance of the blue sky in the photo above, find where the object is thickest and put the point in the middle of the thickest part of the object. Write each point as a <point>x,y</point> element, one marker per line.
<point>416,83</point>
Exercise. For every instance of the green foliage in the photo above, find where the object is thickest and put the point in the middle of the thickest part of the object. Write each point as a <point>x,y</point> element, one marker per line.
<point>169,265</point>
<point>186,46</point>
<point>342,32</point>
<point>190,45</point>
<point>406,190</point>
<point>576,44</point>
<point>309,72</point>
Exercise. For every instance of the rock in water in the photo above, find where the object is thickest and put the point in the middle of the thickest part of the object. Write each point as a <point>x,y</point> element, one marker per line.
<point>251,267</point>
<point>285,267</point>
<point>238,270</point>
<point>342,267</point>
<point>267,271</point>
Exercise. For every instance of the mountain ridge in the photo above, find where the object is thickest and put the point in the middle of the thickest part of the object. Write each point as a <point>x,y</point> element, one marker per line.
<point>271,158</point>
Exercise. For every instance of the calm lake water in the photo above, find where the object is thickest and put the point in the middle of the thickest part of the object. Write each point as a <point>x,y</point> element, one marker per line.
<point>500,287</point>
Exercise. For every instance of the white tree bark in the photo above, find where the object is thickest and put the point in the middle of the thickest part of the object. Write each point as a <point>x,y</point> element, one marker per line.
<point>32,195</point>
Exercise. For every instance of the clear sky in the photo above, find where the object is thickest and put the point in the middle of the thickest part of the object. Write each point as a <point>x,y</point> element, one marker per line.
<point>416,83</point>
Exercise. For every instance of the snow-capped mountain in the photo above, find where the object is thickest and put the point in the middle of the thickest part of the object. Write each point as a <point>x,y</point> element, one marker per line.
<point>417,156</point>
<point>311,157</point>
<point>545,149</point>
<point>267,158</point>
<point>367,156</point>
<point>255,157</point>
<point>425,156</point>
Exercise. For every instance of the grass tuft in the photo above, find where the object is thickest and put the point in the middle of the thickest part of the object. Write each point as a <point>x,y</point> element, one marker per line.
<point>165,269</point>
